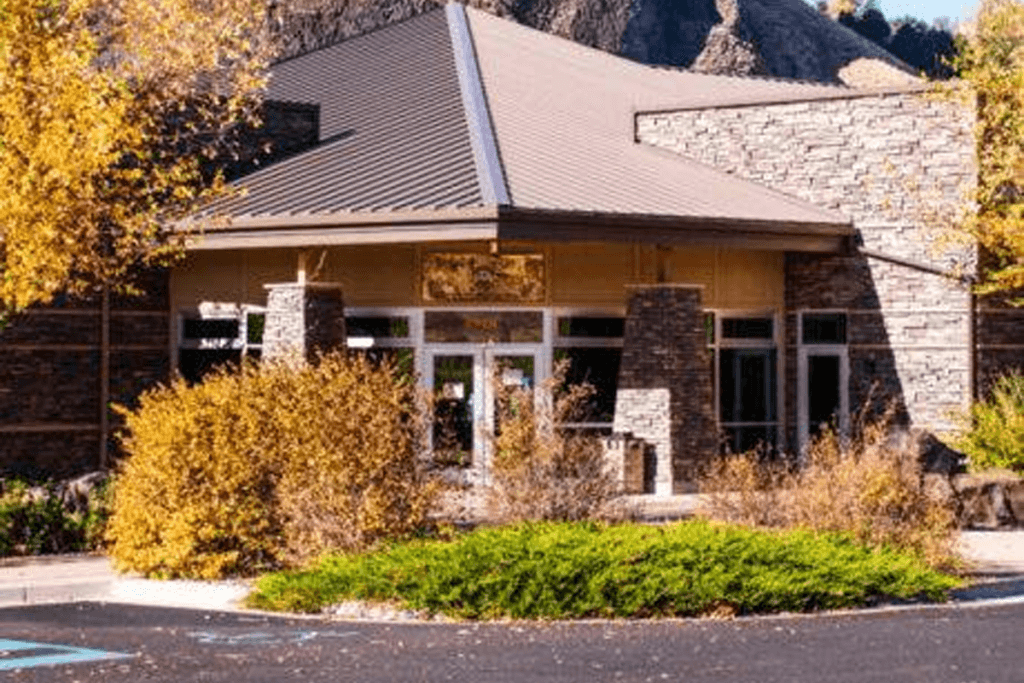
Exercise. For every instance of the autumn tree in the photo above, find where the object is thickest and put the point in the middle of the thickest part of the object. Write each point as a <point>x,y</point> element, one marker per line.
<point>112,116</point>
<point>991,62</point>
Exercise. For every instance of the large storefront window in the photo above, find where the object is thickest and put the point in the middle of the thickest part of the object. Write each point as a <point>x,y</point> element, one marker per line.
<point>591,346</point>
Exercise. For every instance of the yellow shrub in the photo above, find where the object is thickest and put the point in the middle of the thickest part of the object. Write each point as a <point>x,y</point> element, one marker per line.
<point>267,465</point>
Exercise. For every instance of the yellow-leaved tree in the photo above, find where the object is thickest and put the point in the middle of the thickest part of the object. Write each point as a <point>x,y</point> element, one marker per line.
<point>113,114</point>
<point>991,61</point>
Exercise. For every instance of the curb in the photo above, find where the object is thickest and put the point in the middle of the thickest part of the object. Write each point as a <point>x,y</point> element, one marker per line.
<point>41,593</point>
<point>226,596</point>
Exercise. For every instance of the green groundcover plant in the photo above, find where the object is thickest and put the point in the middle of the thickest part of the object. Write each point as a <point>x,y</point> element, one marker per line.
<point>586,569</point>
<point>35,521</point>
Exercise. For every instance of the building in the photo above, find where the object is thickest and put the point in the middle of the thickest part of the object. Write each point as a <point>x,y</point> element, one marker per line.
<point>725,256</point>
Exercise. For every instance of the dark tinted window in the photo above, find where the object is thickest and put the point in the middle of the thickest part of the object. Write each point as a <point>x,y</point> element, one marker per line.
<point>743,439</point>
<point>580,326</point>
<point>196,328</point>
<point>194,363</point>
<point>598,368</point>
<point>747,328</point>
<point>254,323</point>
<point>381,327</point>
<point>824,328</point>
<point>747,385</point>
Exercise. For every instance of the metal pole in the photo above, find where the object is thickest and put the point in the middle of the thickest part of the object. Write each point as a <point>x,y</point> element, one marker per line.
<point>104,377</point>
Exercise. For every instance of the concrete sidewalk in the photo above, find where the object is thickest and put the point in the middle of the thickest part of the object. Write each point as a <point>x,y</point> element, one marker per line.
<point>77,578</point>
<point>997,555</point>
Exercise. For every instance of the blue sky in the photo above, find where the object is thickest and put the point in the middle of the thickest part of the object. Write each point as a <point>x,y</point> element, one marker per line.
<point>954,9</point>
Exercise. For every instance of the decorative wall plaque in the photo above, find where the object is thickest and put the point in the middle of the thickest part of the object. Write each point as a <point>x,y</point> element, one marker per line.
<point>483,278</point>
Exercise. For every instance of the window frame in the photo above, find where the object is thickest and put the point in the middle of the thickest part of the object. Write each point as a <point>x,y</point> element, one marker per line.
<point>775,343</point>
<point>558,341</point>
<point>217,311</point>
<point>803,350</point>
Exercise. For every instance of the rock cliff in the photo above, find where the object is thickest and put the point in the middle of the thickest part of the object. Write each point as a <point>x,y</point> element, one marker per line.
<point>782,38</point>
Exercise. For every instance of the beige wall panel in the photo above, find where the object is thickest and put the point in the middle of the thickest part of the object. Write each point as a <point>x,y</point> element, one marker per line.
<point>372,276</point>
<point>694,266</point>
<point>584,274</point>
<point>591,274</point>
<point>267,266</point>
<point>218,276</point>
<point>234,276</point>
<point>750,279</point>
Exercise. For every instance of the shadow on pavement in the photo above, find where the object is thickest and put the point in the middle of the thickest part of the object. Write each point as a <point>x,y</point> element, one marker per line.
<point>1002,587</point>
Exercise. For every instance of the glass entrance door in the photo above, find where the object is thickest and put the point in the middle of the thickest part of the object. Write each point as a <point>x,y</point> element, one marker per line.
<point>455,382</point>
<point>467,383</point>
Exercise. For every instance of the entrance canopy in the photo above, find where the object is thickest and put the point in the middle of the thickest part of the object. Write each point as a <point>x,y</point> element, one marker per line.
<point>457,125</point>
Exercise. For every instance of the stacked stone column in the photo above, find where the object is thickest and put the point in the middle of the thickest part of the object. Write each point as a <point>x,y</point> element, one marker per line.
<point>664,389</point>
<point>303,320</point>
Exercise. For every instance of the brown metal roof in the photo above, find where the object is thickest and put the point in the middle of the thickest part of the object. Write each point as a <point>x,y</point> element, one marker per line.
<point>392,127</point>
<point>459,111</point>
<point>563,115</point>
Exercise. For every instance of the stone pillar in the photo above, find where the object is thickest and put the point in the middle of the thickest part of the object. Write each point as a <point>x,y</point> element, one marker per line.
<point>664,391</point>
<point>303,319</point>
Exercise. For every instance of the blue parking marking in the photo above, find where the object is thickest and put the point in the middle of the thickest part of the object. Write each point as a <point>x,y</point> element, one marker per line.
<point>55,654</point>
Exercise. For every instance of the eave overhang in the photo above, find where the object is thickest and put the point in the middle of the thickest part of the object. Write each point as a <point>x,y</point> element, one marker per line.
<point>514,223</point>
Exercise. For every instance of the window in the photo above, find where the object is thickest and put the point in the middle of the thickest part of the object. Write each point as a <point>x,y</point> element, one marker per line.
<point>594,327</point>
<point>217,334</point>
<point>744,363</point>
<point>823,375</point>
<point>591,344</point>
<point>378,326</point>
<point>823,328</point>
<point>383,335</point>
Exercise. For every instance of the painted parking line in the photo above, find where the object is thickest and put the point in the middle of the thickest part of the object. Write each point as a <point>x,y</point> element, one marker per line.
<point>265,637</point>
<point>24,654</point>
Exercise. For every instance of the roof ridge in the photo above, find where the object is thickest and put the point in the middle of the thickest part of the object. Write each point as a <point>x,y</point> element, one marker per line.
<point>486,152</point>
<point>784,80</point>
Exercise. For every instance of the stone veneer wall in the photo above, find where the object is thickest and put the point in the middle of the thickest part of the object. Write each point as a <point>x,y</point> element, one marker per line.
<point>50,377</point>
<point>303,318</point>
<point>664,391</point>
<point>909,330</point>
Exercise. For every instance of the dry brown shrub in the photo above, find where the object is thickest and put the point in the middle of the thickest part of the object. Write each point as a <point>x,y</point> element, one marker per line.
<point>540,471</point>
<point>869,485</point>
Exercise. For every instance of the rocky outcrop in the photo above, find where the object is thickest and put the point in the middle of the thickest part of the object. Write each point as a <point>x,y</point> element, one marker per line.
<point>311,24</point>
<point>727,50</point>
<point>990,501</point>
<point>792,38</point>
<point>783,38</point>
<point>873,73</point>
